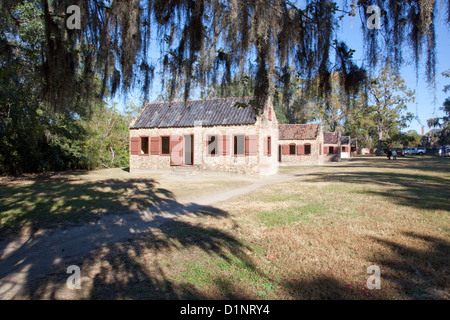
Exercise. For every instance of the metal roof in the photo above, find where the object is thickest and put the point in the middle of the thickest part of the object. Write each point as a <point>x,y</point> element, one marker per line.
<point>187,114</point>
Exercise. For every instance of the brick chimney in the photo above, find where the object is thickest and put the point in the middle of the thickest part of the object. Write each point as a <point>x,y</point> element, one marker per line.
<point>423,130</point>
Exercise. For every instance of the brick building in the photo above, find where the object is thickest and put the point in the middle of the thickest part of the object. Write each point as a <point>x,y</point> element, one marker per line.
<point>346,147</point>
<point>205,134</point>
<point>300,143</point>
<point>331,146</point>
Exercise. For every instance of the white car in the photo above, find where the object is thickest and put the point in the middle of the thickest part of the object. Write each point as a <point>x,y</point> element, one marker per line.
<point>419,151</point>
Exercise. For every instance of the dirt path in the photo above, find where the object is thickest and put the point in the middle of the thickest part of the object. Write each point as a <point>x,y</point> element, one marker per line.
<point>28,257</point>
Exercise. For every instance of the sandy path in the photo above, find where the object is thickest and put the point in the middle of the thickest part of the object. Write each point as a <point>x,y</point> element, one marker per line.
<point>28,257</point>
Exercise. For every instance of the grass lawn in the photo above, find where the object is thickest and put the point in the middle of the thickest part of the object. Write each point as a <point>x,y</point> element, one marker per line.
<point>309,238</point>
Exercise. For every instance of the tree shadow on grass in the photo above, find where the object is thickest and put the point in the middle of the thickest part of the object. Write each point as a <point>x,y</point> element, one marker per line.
<point>421,163</point>
<point>36,268</point>
<point>411,190</point>
<point>326,287</point>
<point>420,273</point>
<point>52,201</point>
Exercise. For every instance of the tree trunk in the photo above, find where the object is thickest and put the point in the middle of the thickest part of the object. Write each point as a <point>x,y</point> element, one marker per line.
<point>380,145</point>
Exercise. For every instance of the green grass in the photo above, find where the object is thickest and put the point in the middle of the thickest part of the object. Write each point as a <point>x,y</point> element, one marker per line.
<point>292,215</point>
<point>218,271</point>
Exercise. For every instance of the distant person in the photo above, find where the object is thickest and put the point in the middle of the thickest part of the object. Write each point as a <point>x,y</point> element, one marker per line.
<point>440,152</point>
<point>394,155</point>
<point>389,154</point>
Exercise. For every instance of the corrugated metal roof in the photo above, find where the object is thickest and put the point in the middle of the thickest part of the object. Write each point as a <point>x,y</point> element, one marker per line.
<point>330,138</point>
<point>187,114</point>
<point>298,131</point>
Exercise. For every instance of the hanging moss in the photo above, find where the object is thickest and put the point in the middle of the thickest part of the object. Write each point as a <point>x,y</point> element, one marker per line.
<point>208,41</point>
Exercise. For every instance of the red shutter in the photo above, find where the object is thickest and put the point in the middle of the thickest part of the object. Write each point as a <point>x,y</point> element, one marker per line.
<point>154,145</point>
<point>223,145</point>
<point>219,148</point>
<point>325,150</point>
<point>176,150</point>
<point>266,146</point>
<point>226,145</point>
<point>285,149</point>
<point>134,145</point>
<point>300,149</point>
<point>251,145</point>
<point>335,150</point>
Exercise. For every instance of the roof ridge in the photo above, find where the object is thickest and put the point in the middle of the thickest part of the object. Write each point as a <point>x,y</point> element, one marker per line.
<point>211,99</point>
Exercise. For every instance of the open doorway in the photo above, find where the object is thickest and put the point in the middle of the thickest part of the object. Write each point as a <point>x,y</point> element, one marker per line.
<point>189,150</point>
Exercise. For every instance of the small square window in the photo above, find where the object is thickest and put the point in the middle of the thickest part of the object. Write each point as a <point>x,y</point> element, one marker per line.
<point>239,145</point>
<point>212,145</point>
<point>144,145</point>
<point>165,145</point>
<point>292,149</point>
<point>331,150</point>
<point>307,149</point>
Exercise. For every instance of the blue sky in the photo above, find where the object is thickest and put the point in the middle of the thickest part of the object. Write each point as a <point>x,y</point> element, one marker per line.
<point>427,103</point>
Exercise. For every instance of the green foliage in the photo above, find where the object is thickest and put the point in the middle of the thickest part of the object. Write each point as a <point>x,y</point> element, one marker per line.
<point>410,139</point>
<point>106,142</point>
<point>35,138</point>
<point>388,96</point>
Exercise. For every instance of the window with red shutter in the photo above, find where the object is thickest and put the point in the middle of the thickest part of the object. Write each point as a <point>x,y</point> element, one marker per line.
<point>225,145</point>
<point>239,144</point>
<point>251,145</point>
<point>292,149</point>
<point>154,145</point>
<point>212,145</point>
<point>300,149</point>
<point>144,146</point>
<point>165,146</point>
<point>307,149</point>
<point>134,145</point>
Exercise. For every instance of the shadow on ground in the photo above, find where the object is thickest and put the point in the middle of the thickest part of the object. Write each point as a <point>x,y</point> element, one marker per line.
<point>56,201</point>
<point>420,273</point>
<point>122,274</point>
<point>127,272</point>
<point>415,190</point>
